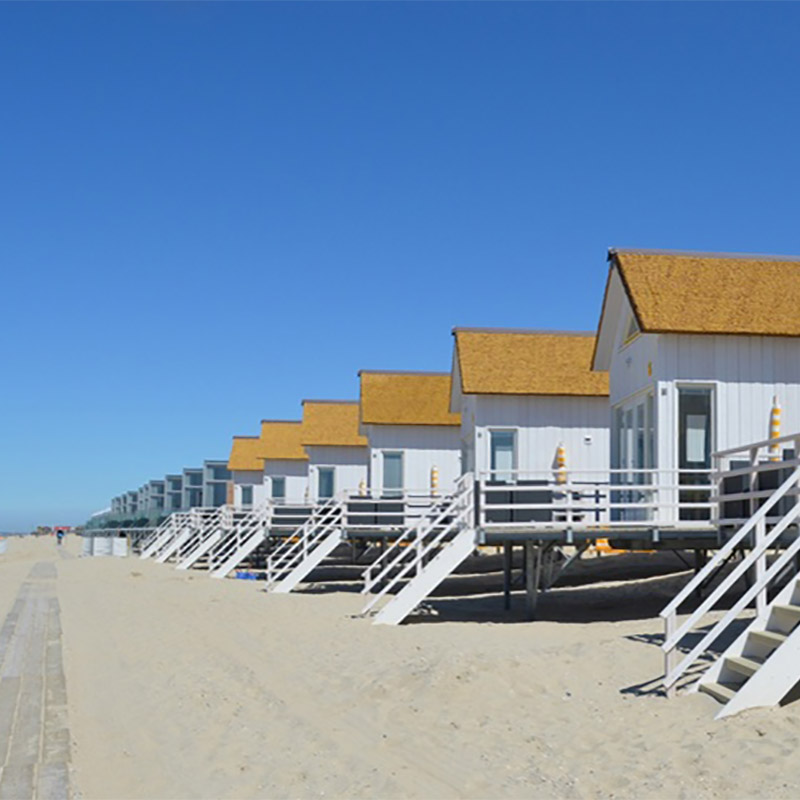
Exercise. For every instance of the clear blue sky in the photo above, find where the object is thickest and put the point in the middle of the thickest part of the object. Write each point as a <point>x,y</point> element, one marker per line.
<point>211,211</point>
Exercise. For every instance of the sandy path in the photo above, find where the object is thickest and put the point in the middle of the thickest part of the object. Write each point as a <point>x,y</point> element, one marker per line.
<point>182,686</point>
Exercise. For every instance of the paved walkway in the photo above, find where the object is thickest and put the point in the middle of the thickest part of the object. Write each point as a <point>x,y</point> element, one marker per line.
<point>34,734</point>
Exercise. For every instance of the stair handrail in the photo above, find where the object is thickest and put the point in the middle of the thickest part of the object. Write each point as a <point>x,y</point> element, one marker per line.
<point>421,547</point>
<point>437,513</point>
<point>673,635</point>
<point>322,517</point>
<point>161,529</point>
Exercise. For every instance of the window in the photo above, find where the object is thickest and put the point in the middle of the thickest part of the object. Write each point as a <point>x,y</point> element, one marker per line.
<point>393,473</point>
<point>503,456</point>
<point>325,487</point>
<point>247,495</point>
<point>631,330</point>
<point>279,488</point>
<point>219,494</point>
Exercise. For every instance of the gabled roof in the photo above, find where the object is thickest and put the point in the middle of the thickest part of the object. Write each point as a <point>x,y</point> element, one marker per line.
<point>331,422</point>
<point>246,454</point>
<point>715,293</point>
<point>281,440</point>
<point>514,362</point>
<point>406,398</point>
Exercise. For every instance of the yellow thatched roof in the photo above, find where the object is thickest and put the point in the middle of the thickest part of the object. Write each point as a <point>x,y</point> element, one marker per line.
<point>246,454</point>
<point>331,422</point>
<point>527,362</point>
<point>711,293</point>
<point>282,440</point>
<point>406,398</point>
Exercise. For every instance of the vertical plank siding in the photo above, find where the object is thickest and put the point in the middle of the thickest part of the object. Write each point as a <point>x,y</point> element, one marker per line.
<point>423,446</point>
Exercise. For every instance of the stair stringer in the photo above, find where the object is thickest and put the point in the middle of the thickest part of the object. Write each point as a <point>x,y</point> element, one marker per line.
<point>183,535</point>
<point>160,539</point>
<point>245,549</point>
<point>312,560</point>
<point>774,678</point>
<point>432,574</point>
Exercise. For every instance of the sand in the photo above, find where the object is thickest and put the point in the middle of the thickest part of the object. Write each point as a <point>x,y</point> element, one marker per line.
<point>181,686</point>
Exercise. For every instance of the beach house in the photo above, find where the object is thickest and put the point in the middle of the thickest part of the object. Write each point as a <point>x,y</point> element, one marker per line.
<point>246,466</point>
<point>338,459</point>
<point>534,426</point>
<point>703,351</point>
<point>413,438</point>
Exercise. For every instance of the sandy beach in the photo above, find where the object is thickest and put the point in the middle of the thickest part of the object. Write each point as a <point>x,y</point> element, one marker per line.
<point>180,686</point>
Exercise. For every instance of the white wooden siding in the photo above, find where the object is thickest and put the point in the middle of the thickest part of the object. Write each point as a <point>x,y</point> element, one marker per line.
<point>349,464</point>
<point>248,478</point>
<point>423,447</point>
<point>296,474</point>
<point>746,373</point>
<point>541,423</point>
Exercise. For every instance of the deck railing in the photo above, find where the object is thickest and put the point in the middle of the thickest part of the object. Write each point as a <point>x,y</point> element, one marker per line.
<point>596,500</point>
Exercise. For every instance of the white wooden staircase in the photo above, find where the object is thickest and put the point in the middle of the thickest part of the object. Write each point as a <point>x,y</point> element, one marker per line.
<point>234,546</point>
<point>204,536</point>
<point>303,551</point>
<point>194,523</point>
<point>163,534</point>
<point>420,559</point>
<point>762,665</point>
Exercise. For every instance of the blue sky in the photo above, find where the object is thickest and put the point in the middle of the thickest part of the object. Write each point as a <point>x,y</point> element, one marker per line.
<point>211,211</point>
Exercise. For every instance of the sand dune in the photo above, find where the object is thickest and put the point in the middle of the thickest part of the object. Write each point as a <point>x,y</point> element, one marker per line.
<point>181,686</point>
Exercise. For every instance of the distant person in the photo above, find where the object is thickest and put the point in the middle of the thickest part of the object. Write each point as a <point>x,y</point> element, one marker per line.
<point>59,536</point>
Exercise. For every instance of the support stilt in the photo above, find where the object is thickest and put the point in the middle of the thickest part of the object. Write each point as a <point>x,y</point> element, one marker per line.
<point>508,555</point>
<point>533,571</point>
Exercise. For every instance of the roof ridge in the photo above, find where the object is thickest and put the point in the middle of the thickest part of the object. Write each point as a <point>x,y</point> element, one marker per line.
<point>532,331</point>
<point>401,372</point>
<point>282,421</point>
<point>612,251</point>
<point>330,402</point>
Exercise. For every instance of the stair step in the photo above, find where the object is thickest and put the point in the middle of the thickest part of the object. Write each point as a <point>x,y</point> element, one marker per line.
<point>719,691</point>
<point>742,665</point>
<point>787,609</point>
<point>772,638</point>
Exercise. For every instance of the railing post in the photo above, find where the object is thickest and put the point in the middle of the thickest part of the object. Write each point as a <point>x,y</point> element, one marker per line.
<point>670,656</point>
<point>753,479</point>
<point>760,567</point>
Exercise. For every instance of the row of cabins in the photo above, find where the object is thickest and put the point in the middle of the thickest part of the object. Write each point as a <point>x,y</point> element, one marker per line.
<point>661,429</point>
<point>193,487</point>
<point>693,353</point>
<point>512,400</point>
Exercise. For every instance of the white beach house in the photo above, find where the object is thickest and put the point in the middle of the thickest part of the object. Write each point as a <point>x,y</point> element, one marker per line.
<point>337,452</point>
<point>246,466</point>
<point>413,438</point>
<point>285,462</point>
<point>699,348</point>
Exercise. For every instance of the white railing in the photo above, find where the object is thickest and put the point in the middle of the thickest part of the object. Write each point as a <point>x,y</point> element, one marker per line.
<point>596,500</point>
<point>773,511</point>
<point>243,527</point>
<point>387,511</point>
<point>435,515</point>
<point>324,519</point>
<point>410,555</point>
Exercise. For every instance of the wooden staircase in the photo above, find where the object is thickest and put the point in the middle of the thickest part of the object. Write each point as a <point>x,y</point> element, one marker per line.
<point>420,559</point>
